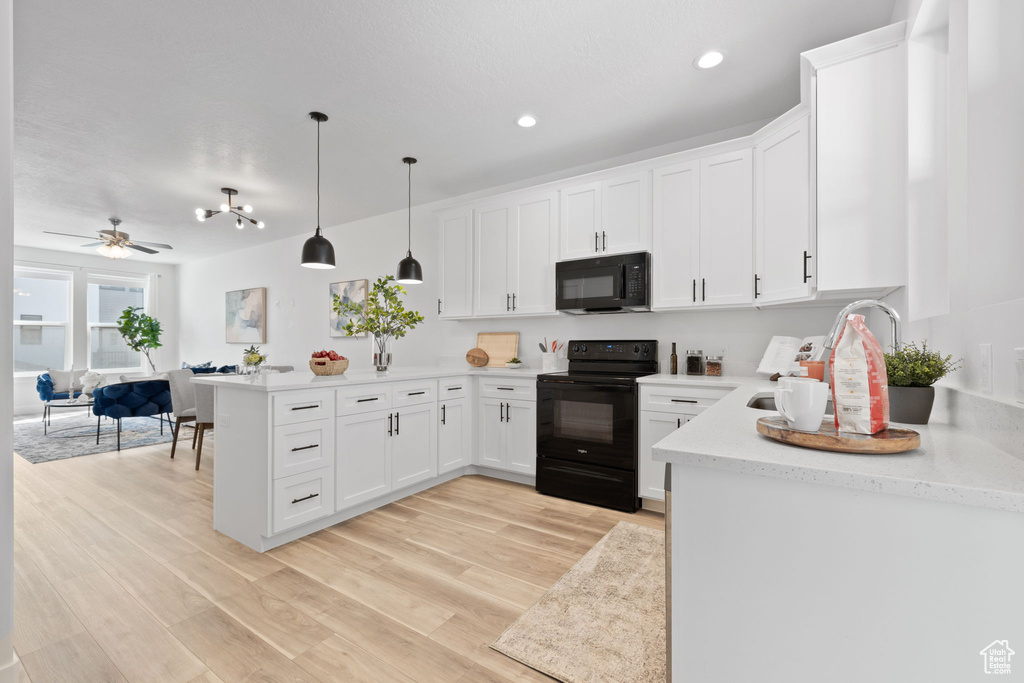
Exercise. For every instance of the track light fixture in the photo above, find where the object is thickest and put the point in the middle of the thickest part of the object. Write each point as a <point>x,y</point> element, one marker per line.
<point>229,207</point>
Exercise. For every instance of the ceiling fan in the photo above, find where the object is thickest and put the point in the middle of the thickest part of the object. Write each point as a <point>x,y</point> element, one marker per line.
<point>115,244</point>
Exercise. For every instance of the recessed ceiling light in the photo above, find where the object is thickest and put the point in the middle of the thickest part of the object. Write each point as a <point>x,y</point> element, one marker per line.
<point>709,59</point>
<point>526,121</point>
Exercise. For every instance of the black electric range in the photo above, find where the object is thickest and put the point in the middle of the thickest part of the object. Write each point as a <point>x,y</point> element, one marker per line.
<point>588,423</point>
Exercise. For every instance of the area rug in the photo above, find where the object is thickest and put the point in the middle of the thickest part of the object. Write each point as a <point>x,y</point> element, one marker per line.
<point>604,621</point>
<point>72,436</point>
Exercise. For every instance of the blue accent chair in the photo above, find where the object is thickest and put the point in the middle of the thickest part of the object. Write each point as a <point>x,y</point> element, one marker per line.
<point>44,385</point>
<point>148,398</point>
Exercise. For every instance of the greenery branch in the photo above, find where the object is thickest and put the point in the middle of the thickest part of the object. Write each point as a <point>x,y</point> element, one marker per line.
<point>141,332</point>
<point>383,315</point>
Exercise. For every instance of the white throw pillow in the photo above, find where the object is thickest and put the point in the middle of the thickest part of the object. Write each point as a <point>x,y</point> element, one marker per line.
<point>66,380</point>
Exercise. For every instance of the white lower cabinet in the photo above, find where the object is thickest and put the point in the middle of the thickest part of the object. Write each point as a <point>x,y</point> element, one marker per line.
<point>508,435</point>
<point>454,436</point>
<point>302,498</point>
<point>414,446</point>
<point>653,428</point>
<point>362,464</point>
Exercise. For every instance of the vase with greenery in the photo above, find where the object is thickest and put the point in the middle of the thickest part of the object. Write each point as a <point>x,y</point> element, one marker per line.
<point>383,315</point>
<point>141,332</point>
<point>912,371</point>
<point>253,358</point>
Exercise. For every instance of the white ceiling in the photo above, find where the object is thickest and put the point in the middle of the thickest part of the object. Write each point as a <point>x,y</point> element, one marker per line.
<point>145,109</point>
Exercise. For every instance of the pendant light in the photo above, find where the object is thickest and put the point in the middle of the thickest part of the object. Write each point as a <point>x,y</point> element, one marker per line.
<point>318,252</point>
<point>409,270</point>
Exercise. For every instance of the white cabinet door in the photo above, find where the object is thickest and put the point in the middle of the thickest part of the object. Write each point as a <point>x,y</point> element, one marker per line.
<point>676,257</point>
<point>454,436</point>
<point>492,449</point>
<point>861,121</point>
<point>363,458</point>
<point>784,255</point>
<point>533,250</point>
<point>492,234</point>
<point>456,291</point>
<point>581,220</point>
<point>414,446</point>
<point>521,436</point>
<point>653,428</point>
<point>625,216</point>
<point>726,229</point>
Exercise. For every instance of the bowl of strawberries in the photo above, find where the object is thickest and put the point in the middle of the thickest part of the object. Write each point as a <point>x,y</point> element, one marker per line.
<point>328,363</point>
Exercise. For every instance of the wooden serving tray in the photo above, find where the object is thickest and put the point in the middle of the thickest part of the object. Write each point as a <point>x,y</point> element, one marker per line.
<point>827,439</point>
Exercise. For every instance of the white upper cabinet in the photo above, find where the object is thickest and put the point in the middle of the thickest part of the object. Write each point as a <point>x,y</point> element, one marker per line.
<point>455,294</point>
<point>784,231</point>
<point>861,120</point>
<point>517,245</point>
<point>607,217</point>
<point>676,256</point>
<point>726,229</point>
<point>581,221</point>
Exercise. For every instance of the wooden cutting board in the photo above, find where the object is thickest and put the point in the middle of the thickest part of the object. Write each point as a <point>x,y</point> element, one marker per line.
<point>827,439</point>
<point>499,346</point>
<point>477,358</point>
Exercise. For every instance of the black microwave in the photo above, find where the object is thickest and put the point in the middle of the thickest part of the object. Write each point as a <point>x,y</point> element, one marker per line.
<point>619,283</point>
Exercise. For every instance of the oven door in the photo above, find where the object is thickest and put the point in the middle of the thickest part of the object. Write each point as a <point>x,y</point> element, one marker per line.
<point>589,288</point>
<point>587,423</point>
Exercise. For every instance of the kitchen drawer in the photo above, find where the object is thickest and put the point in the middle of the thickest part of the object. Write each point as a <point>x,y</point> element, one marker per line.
<point>452,388</point>
<point>303,498</point>
<point>684,400</point>
<point>291,407</point>
<point>413,393</point>
<point>497,387</point>
<point>303,447</point>
<point>364,398</point>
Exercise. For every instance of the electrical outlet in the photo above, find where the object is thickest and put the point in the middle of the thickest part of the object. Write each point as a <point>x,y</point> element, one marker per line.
<point>985,369</point>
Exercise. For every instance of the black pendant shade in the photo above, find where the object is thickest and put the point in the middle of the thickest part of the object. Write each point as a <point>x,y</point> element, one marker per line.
<point>318,252</point>
<point>410,272</point>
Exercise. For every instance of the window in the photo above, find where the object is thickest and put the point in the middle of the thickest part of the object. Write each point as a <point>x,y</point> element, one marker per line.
<point>107,298</point>
<point>41,299</point>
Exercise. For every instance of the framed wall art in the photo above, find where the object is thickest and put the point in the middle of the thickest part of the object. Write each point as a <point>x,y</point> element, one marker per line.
<point>245,316</point>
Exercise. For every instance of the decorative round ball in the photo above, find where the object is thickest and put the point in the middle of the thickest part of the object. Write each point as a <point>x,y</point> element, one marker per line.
<point>477,358</point>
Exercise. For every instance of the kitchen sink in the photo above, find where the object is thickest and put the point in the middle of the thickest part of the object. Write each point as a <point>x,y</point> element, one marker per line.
<point>767,402</point>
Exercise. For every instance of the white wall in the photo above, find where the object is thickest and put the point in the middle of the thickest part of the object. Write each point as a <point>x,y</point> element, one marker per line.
<point>984,289</point>
<point>163,306</point>
<point>8,666</point>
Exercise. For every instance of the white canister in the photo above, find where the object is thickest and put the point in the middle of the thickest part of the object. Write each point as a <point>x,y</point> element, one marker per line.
<point>549,362</point>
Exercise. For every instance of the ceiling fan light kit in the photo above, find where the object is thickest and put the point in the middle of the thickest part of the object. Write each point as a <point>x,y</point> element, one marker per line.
<point>229,207</point>
<point>410,272</point>
<point>115,244</point>
<point>318,252</point>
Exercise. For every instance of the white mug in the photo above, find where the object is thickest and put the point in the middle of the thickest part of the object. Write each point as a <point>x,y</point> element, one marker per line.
<point>801,401</point>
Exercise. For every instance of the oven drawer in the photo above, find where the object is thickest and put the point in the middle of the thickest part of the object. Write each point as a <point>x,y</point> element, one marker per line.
<point>682,400</point>
<point>496,387</point>
<point>588,484</point>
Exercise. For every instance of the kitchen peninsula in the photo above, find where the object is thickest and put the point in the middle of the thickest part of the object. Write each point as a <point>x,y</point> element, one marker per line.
<point>297,453</point>
<point>829,566</point>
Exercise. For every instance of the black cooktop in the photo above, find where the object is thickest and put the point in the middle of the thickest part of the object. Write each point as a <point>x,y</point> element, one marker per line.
<point>616,361</point>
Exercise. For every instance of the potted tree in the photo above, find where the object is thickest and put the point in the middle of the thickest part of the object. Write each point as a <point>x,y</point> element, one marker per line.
<point>385,317</point>
<point>141,332</point>
<point>912,371</point>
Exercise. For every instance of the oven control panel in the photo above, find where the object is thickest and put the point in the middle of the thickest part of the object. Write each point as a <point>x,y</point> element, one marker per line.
<point>617,350</point>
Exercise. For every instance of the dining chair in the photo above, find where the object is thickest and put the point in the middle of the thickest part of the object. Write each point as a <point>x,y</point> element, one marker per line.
<point>204,414</point>
<point>183,403</point>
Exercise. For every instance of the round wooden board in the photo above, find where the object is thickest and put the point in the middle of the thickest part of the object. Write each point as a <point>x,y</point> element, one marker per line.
<point>477,358</point>
<point>827,439</point>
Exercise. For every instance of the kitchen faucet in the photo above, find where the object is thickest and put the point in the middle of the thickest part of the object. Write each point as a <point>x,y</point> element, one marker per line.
<point>837,326</point>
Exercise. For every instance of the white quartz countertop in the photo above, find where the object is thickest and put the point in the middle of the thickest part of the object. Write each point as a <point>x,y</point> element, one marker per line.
<point>951,465</point>
<point>287,381</point>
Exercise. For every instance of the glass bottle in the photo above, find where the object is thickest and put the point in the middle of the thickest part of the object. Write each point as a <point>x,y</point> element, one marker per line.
<point>674,361</point>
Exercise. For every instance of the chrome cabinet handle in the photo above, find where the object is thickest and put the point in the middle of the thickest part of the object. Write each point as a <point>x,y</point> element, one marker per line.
<point>305,448</point>
<point>299,500</point>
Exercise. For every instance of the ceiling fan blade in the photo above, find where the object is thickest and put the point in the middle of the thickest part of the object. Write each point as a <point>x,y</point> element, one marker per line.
<point>65,234</point>
<point>93,244</point>
<point>154,244</point>
<point>145,250</point>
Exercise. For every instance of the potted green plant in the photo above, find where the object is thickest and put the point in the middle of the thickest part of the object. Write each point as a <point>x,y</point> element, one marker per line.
<point>514,363</point>
<point>912,371</point>
<point>141,332</point>
<point>385,317</point>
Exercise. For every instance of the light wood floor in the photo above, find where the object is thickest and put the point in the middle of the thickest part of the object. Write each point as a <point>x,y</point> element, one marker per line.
<point>120,576</point>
